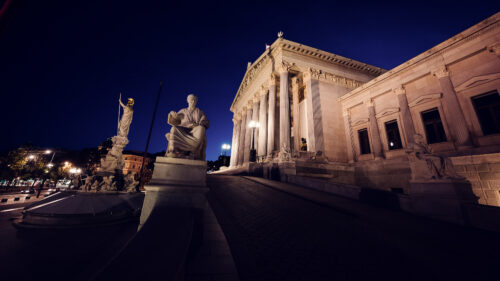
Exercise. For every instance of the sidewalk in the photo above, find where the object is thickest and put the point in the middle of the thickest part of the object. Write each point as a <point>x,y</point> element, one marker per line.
<point>397,226</point>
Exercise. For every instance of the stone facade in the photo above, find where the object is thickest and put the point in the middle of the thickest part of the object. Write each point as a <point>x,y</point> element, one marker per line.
<point>133,163</point>
<point>344,121</point>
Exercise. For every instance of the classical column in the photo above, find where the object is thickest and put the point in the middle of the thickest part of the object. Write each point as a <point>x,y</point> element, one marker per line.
<point>255,117</point>
<point>271,113</point>
<point>241,139</point>
<point>234,144</point>
<point>452,110</point>
<point>315,142</point>
<point>261,150</point>
<point>296,117</point>
<point>248,133</point>
<point>284,114</point>
<point>349,134</point>
<point>376,143</point>
<point>409,129</point>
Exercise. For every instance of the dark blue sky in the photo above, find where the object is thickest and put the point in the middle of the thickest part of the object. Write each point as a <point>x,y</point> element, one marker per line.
<point>63,63</point>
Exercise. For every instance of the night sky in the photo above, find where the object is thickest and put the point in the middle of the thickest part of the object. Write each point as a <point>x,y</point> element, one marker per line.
<point>64,63</point>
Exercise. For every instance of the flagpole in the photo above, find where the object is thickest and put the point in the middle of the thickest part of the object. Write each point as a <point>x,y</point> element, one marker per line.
<point>149,137</point>
<point>118,125</point>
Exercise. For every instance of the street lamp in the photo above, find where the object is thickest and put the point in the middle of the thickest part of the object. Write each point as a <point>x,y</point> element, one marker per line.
<point>253,153</point>
<point>225,148</point>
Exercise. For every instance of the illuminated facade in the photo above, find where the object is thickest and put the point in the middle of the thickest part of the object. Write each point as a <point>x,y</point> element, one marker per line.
<point>323,116</point>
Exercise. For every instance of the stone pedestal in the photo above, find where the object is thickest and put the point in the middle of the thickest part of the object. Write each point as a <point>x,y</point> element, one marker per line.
<point>177,171</point>
<point>176,183</point>
<point>442,199</point>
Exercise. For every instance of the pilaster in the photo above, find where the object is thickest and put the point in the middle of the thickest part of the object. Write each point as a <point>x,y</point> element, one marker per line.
<point>271,116</point>
<point>261,149</point>
<point>375,133</point>
<point>452,109</point>
<point>409,129</point>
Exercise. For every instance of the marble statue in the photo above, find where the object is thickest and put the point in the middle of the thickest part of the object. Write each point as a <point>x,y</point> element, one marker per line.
<point>126,120</point>
<point>425,165</point>
<point>114,160</point>
<point>187,137</point>
<point>130,182</point>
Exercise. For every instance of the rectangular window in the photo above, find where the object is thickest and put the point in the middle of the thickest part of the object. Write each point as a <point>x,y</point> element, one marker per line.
<point>393,137</point>
<point>488,112</point>
<point>433,126</point>
<point>364,141</point>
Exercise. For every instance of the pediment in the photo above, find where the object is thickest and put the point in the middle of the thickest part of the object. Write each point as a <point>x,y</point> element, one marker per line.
<point>387,111</point>
<point>424,99</point>
<point>477,80</point>
<point>360,121</point>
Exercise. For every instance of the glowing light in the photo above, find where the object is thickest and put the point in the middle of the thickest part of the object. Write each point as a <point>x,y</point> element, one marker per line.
<point>391,143</point>
<point>226,146</point>
<point>50,165</point>
<point>253,124</point>
<point>48,151</point>
<point>31,157</point>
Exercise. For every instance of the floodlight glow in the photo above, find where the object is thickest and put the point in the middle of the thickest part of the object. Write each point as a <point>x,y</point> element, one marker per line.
<point>253,124</point>
<point>31,157</point>
<point>48,151</point>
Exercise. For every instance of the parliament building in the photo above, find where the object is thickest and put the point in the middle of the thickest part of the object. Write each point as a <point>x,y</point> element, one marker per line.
<point>340,125</point>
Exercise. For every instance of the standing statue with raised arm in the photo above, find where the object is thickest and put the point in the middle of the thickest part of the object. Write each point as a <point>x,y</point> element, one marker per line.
<point>126,120</point>
<point>187,137</point>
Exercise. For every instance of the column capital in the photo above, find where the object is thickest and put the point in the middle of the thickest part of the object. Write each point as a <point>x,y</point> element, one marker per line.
<point>399,90</point>
<point>441,72</point>
<point>250,104</point>
<point>368,102</point>
<point>243,111</point>
<point>311,73</point>
<point>273,80</point>
<point>263,91</point>
<point>256,98</point>
<point>285,66</point>
<point>346,113</point>
<point>236,117</point>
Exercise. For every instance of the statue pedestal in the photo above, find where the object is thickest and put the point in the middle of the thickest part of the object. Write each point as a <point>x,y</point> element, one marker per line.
<point>178,171</point>
<point>442,199</point>
<point>176,183</point>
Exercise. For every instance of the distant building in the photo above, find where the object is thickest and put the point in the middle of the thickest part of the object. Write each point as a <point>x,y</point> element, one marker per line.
<point>133,162</point>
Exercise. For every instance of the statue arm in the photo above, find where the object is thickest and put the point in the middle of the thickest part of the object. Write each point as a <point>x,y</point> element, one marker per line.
<point>204,121</point>
<point>121,103</point>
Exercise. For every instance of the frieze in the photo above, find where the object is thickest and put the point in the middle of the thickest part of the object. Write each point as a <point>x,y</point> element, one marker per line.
<point>329,77</point>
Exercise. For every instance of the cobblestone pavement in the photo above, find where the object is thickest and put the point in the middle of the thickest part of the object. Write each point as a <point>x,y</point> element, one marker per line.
<point>276,236</point>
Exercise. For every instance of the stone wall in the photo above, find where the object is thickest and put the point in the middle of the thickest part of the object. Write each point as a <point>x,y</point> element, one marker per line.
<point>483,172</point>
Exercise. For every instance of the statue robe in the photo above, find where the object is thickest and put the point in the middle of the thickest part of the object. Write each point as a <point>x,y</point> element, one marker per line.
<point>189,135</point>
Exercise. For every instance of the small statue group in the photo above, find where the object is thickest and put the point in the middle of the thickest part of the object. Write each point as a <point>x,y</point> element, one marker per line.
<point>425,165</point>
<point>110,183</point>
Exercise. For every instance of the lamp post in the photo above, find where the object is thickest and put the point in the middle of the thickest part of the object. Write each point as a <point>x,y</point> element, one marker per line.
<point>253,153</point>
<point>225,148</point>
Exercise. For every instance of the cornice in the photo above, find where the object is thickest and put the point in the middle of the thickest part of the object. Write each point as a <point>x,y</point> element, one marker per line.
<point>282,44</point>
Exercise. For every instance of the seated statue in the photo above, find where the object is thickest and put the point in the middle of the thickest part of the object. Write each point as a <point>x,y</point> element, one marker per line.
<point>425,165</point>
<point>187,138</point>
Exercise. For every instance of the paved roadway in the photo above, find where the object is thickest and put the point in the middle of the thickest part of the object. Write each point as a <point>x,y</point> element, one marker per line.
<point>275,235</point>
<point>56,254</point>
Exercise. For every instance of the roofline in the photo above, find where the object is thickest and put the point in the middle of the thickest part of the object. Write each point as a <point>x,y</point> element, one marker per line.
<point>460,37</point>
<point>311,52</point>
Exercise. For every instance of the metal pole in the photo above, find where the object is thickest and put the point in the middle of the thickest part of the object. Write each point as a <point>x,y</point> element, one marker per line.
<point>149,137</point>
<point>118,125</point>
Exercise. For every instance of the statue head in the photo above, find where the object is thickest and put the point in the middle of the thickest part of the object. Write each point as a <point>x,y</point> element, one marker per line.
<point>130,102</point>
<point>192,100</point>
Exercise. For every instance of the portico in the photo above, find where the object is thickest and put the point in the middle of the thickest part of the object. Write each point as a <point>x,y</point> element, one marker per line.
<point>283,91</point>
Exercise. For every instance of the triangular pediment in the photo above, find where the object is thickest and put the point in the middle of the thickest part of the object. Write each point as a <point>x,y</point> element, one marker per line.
<point>477,80</point>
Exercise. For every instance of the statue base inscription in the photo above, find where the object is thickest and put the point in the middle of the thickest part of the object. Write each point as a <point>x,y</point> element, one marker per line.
<point>178,171</point>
